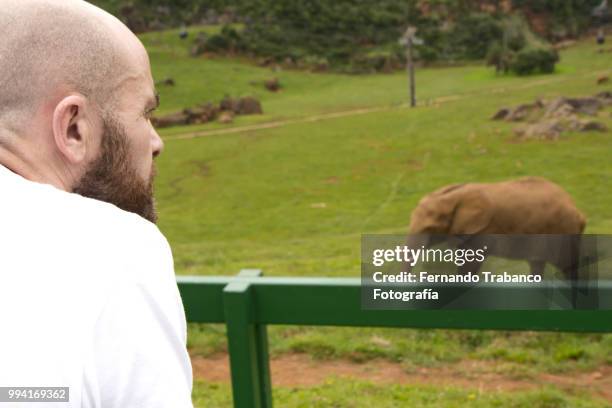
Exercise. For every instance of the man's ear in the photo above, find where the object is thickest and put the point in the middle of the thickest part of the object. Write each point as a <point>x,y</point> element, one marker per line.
<point>72,128</point>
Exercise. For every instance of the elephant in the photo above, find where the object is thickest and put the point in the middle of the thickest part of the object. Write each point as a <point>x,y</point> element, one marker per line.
<point>512,218</point>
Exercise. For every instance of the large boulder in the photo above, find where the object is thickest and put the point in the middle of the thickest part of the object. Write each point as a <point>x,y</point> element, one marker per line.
<point>230,104</point>
<point>202,113</point>
<point>173,119</point>
<point>249,105</point>
<point>547,130</point>
<point>524,111</point>
<point>588,106</point>
<point>605,97</point>
<point>272,85</point>
<point>591,125</point>
<point>554,107</point>
<point>501,114</point>
<point>226,117</point>
<point>561,110</point>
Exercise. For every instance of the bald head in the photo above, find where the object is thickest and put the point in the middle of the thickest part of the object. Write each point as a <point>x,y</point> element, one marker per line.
<point>49,47</point>
<point>76,95</point>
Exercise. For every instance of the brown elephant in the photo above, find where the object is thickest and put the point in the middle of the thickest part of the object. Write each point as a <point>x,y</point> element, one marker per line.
<point>529,205</point>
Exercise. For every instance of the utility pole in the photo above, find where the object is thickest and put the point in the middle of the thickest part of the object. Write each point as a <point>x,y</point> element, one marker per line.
<point>408,40</point>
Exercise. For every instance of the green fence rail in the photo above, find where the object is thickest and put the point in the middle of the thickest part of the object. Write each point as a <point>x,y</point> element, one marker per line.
<point>248,302</point>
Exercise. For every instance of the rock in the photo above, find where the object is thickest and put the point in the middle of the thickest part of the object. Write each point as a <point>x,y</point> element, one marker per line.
<point>202,113</point>
<point>562,111</point>
<point>605,97</point>
<point>226,117</point>
<point>208,112</point>
<point>554,105</point>
<point>521,112</point>
<point>272,85</point>
<point>604,79</point>
<point>249,105</point>
<point>565,106</point>
<point>501,114</point>
<point>173,119</point>
<point>205,113</point>
<point>230,104</point>
<point>587,106</point>
<point>547,130</point>
<point>591,125</point>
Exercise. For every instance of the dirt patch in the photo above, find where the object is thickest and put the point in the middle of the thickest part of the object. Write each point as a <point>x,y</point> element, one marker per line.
<point>299,370</point>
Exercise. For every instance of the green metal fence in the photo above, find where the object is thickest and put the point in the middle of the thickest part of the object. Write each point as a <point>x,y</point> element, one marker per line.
<point>249,302</point>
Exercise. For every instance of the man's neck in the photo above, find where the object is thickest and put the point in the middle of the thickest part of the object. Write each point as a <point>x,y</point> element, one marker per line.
<point>29,168</point>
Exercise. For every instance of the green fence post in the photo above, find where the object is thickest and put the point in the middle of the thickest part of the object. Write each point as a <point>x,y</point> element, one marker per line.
<point>247,344</point>
<point>261,346</point>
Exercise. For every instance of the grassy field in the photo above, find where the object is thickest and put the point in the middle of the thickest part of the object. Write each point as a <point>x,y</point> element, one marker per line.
<point>334,394</point>
<point>294,200</point>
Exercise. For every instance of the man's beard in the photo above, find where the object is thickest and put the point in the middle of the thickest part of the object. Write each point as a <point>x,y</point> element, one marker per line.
<point>110,177</point>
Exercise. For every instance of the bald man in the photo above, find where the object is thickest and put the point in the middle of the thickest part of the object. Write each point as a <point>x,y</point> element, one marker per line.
<point>88,297</point>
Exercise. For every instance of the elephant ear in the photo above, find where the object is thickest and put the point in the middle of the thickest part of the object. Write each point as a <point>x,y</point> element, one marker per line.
<point>433,214</point>
<point>473,213</point>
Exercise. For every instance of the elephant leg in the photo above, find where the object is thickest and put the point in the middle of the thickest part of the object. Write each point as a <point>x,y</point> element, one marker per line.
<point>472,244</point>
<point>537,267</point>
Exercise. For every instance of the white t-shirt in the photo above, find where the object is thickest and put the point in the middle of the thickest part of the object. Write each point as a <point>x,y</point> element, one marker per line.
<point>88,300</point>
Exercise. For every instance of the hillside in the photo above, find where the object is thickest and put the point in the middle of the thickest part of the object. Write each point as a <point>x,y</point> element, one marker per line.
<point>361,37</point>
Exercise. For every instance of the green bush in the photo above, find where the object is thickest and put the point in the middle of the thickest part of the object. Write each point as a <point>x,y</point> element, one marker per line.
<point>227,40</point>
<point>473,34</point>
<point>499,57</point>
<point>343,34</point>
<point>534,60</point>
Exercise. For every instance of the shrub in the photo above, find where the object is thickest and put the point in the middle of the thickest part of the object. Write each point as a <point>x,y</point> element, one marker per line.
<point>533,60</point>
<point>227,40</point>
<point>473,34</point>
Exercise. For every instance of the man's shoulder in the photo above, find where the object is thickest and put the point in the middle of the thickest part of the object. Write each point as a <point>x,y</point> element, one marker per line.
<point>100,216</point>
<point>94,222</point>
<point>106,221</point>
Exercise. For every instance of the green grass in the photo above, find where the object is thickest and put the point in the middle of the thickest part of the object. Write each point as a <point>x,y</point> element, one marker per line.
<point>352,393</point>
<point>253,199</point>
<point>208,78</point>
<point>295,200</point>
<point>516,353</point>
